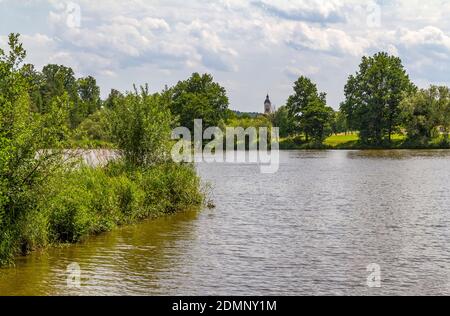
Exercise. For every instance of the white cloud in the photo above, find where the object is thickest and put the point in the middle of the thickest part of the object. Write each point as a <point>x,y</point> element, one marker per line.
<point>430,36</point>
<point>252,46</point>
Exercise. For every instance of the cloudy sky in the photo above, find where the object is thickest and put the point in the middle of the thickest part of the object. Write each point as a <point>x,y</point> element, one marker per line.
<point>251,47</point>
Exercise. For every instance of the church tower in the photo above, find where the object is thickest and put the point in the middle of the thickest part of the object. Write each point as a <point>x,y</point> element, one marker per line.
<point>267,106</point>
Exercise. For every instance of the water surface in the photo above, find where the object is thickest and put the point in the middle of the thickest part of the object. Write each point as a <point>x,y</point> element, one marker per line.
<point>311,228</point>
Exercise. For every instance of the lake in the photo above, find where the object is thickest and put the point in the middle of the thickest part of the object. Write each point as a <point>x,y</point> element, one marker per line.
<point>312,228</point>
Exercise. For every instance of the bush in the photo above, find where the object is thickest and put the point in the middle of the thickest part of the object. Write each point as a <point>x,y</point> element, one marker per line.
<point>92,201</point>
<point>140,126</point>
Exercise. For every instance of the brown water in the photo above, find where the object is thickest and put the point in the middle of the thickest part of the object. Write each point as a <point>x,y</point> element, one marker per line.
<point>311,228</point>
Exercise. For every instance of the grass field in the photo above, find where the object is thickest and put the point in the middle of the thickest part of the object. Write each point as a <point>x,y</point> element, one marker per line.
<point>341,139</point>
<point>351,141</point>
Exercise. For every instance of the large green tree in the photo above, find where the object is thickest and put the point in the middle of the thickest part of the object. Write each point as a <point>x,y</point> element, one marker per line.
<point>198,97</point>
<point>373,97</point>
<point>308,107</point>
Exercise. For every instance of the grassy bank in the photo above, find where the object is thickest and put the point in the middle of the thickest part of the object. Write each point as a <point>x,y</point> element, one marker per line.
<point>87,201</point>
<point>351,141</point>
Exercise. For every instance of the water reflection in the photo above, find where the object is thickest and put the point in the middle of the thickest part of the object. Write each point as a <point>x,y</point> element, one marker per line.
<point>126,261</point>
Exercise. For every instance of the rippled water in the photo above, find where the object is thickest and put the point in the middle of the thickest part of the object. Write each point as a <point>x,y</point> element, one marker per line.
<point>311,228</point>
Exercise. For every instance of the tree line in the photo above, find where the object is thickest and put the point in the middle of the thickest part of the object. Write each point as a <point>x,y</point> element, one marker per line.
<point>380,101</point>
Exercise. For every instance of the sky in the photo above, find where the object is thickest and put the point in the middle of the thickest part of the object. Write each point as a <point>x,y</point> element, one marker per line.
<point>251,47</point>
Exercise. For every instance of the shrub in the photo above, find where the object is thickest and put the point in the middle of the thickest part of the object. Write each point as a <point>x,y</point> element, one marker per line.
<point>140,127</point>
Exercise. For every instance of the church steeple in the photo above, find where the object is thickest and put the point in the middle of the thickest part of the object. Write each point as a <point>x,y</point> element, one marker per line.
<point>267,105</point>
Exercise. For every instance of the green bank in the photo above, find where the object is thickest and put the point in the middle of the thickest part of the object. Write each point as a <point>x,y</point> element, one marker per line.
<point>48,196</point>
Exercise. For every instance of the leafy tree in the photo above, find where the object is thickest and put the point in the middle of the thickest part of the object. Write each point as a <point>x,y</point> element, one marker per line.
<point>58,80</point>
<point>339,124</point>
<point>89,94</point>
<point>317,118</point>
<point>95,126</point>
<point>443,110</point>
<point>308,107</point>
<point>29,143</point>
<point>373,97</point>
<point>141,127</point>
<point>34,79</point>
<point>284,121</point>
<point>426,111</point>
<point>198,97</point>
<point>113,99</point>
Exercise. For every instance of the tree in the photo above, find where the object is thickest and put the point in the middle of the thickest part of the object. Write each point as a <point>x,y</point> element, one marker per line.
<point>443,111</point>
<point>141,127</point>
<point>34,80</point>
<point>339,124</point>
<point>373,97</point>
<point>95,126</point>
<point>198,97</point>
<point>283,120</point>
<point>29,143</point>
<point>308,107</point>
<point>58,80</point>
<point>425,112</point>
<point>89,94</point>
<point>113,99</point>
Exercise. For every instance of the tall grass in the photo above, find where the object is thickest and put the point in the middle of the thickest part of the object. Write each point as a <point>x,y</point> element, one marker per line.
<point>86,201</point>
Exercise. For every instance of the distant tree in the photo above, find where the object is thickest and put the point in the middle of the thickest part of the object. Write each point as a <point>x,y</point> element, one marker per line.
<point>373,97</point>
<point>443,111</point>
<point>95,127</point>
<point>284,121</point>
<point>339,123</point>
<point>58,80</point>
<point>424,112</point>
<point>198,97</point>
<point>113,99</point>
<point>34,79</point>
<point>308,107</point>
<point>229,115</point>
<point>89,94</point>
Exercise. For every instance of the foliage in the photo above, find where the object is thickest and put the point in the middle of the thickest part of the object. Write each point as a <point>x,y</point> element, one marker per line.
<point>29,143</point>
<point>426,113</point>
<point>86,201</point>
<point>308,107</point>
<point>339,123</point>
<point>246,122</point>
<point>140,125</point>
<point>113,99</point>
<point>198,97</point>
<point>95,127</point>
<point>89,94</point>
<point>282,119</point>
<point>373,97</point>
<point>44,199</point>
